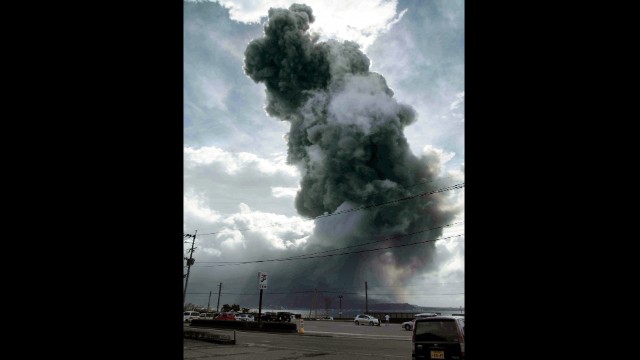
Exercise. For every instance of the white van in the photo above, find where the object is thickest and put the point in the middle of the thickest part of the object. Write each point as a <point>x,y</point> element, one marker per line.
<point>190,315</point>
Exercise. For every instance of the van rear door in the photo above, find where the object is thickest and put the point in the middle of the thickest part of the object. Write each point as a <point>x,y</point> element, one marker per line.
<point>437,338</point>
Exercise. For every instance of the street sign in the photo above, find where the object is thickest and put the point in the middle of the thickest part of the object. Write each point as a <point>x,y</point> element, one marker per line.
<point>262,280</point>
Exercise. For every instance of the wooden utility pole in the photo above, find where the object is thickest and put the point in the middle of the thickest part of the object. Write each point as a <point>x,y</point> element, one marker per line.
<point>219,291</point>
<point>366,299</point>
<point>190,262</point>
<point>314,303</point>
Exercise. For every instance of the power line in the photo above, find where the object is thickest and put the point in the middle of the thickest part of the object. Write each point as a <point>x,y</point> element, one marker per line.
<point>222,263</point>
<point>335,289</point>
<point>378,241</point>
<point>448,188</point>
<point>452,187</point>
<point>256,293</point>
<point>349,247</point>
<point>403,286</point>
<point>428,181</point>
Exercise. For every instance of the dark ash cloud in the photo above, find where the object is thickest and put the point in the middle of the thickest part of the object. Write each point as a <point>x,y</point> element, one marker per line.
<point>347,139</point>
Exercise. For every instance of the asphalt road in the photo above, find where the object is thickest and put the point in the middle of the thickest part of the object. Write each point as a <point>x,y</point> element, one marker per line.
<point>327,340</point>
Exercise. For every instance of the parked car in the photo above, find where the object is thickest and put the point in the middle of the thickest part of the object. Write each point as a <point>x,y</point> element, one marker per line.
<point>408,325</point>
<point>283,316</point>
<point>438,337</point>
<point>366,319</point>
<point>190,315</point>
<point>245,317</point>
<point>326,318</point>
<point>206,316</point>
<point>427,314</point>
<point>226,316</point>
<point>269,316</point>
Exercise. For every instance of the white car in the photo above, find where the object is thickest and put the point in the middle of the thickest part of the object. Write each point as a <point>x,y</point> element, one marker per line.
<point>408,325</point>
<point>190,315</point>
<point>206,316</point>
<point>245,317</point>
<point>366,319</point>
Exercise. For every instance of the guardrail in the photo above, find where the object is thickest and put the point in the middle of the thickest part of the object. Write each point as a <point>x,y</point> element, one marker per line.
<point>246,325</point>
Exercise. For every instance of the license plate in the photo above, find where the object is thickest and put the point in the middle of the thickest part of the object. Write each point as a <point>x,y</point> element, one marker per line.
<point>437,354</point>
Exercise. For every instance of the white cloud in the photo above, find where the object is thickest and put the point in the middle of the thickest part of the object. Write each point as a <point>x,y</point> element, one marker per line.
<point>274,231</point>
<point>193,206</point>
<point>457,107</point>
<point>353,20</point>
<point>453,244</point>
<point>279,191</point>
<point>437,158</point>
<point>212,251</point>
<point>234,162</point>
<point>459,100</point>
<point>222,180</point>
<point>232,238</point>
<point>454,265</point>
<point>215,92</point>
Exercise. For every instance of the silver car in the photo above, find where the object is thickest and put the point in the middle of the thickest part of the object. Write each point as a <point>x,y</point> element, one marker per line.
<point>245,317</point>
<point>366,319</point>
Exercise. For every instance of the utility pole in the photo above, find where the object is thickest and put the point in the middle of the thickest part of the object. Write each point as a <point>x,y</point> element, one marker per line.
<point>190,262</point>
<point>219,291</point>
<point>340,297</point>
<point>366,299</point>
<point>314,303</point>
<point>208,302</point>
<point>260,310</point>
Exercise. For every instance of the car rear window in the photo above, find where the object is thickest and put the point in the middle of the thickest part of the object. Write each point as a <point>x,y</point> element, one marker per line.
<point>436,330</point>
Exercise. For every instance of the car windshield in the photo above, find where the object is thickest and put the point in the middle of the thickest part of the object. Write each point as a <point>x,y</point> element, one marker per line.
<point>436,330</point>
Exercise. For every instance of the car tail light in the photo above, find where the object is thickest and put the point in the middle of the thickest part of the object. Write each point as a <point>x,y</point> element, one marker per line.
<point>413,334</point>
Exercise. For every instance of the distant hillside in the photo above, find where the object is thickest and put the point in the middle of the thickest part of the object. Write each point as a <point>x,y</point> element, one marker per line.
<point>407,307</point>
<point>349,302</point>
<point>394,306</point>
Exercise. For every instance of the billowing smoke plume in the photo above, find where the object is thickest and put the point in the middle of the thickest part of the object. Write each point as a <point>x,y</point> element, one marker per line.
<point>347,138</point>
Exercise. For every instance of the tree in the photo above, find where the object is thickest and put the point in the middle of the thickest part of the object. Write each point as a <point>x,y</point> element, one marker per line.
<point>245,310</point>
<point>227,308</point>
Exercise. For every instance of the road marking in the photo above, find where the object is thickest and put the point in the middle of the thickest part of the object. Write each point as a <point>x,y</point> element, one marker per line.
<point>364,335</point>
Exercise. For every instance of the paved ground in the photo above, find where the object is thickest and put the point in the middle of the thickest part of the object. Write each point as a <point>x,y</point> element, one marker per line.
<point>323,340</point>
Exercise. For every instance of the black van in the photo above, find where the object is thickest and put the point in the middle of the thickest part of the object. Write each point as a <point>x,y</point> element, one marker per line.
<point>284,316</point>
<point>438,337</point>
